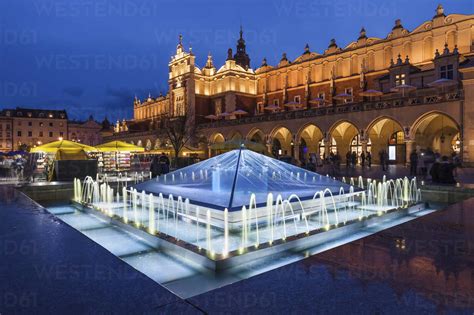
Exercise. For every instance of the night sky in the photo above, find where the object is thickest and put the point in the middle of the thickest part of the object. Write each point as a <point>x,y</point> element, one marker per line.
<point>93,56</point>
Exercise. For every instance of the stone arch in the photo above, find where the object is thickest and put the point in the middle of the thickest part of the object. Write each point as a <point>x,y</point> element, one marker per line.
<point>342,133</point>
<point>386,133</point>
<point>217,137</point>
<point>435,130</point>
<point>235,135</point>
<point>148,145</point>
<point>282,141</point>
<point>308,139</point>
<point>256,135</point>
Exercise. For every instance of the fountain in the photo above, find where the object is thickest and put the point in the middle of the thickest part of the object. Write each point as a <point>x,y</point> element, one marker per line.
<point>242,205</point>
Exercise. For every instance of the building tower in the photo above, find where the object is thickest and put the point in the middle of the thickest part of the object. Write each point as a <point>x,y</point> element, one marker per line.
<point>241,57</point>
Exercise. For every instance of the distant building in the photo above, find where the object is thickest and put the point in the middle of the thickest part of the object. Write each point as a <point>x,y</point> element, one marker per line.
<point>23,128</point>
<point>6,134</point>
<point>30,127</point>
<point>86,132</point>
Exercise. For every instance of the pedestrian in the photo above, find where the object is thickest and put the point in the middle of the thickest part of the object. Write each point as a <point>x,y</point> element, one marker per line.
<point>164,163</point>
<point>155,168</point>
<point>354,159</point>
<point>369,159</point>
<point>382,159</point>
<point>348,159</point>
<point>362,159</point>
<point>413,163</point>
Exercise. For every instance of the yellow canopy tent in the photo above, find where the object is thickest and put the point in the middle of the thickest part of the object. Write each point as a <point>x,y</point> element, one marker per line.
<point>235,144</point>
<point>64,146</point>
<point>78,154</point>
<point>118,146</point>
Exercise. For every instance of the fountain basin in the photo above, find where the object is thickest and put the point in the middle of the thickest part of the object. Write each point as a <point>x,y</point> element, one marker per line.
<point>182,249</point>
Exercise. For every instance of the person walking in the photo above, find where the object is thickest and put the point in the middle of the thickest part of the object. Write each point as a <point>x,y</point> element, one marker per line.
<point>369,159</point>
<point>354,159</point>
<point>362,159</point>
<point>413,163</point>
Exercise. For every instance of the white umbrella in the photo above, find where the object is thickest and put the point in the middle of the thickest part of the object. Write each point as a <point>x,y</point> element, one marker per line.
<point>403,88</point>
<point>343,96</point>
<point>239,112</point>
<point>317,100</point>
<point>225,114</point>
<point>211,117</point>
<point>272,107</point>
<point>293,105</point>
<point>371,93</point>
<point>443,83</point>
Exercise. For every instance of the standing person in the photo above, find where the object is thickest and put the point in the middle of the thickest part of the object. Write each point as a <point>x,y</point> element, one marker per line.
<point>354,159</point>
<point>348,158</point>
<point>155,168</point>
<point>164,163</point>
<point>362,159</point>
<point>369,159</point>
<point>382,159</point>
<point>413,163</point>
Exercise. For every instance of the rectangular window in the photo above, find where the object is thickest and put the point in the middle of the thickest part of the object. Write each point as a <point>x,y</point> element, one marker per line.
<point>30,123</point>
<point>51,124</point>
<point>40,133</point>
<point>30,133</point>
<point>18,133</point>
<point>61,133</point>
<point>50,134</point>
<point>349,92</point>
<point>259,107</point>
<point>276,102</point>
<point>447,72</point>
<point>399,79</point>
<point>297,99</point>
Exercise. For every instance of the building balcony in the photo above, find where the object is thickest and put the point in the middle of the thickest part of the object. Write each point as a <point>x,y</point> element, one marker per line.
<point>420,97</point>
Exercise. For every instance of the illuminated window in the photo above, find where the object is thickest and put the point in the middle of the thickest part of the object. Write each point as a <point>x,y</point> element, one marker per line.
<point>399,79</point>
<point>297,99</point>
<point>276,102</point>
<point>447,72</point>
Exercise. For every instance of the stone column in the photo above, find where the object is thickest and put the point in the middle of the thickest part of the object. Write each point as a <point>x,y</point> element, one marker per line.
<point>364,145</point>
<point>410,146</point>
<point>295,148</point>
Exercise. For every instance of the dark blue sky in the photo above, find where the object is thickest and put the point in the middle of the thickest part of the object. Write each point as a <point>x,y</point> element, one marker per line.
<point>93,56</point>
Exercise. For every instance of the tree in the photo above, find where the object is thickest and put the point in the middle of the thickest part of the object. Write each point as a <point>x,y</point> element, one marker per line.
<point>178,131</point>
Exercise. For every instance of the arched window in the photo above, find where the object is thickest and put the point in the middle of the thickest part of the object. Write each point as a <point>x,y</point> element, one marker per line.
<point>428,52</point>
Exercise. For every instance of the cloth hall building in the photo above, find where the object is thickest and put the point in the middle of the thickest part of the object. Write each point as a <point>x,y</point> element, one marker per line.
<point>412,90</point>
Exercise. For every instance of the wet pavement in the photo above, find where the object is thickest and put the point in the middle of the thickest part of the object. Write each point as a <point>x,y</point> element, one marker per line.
<point>422,266</point>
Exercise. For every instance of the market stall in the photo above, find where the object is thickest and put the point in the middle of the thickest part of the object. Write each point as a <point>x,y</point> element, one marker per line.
<point>64,160</point>
<point>116,156</point>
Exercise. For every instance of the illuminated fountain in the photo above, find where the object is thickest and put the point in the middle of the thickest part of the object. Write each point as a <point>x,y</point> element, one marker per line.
<point>243,205</point>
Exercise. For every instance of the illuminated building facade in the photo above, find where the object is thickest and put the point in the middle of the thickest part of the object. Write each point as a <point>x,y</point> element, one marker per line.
<point>410,90</point>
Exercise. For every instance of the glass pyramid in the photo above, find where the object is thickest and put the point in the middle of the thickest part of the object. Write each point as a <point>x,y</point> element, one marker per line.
<point>229,179</point>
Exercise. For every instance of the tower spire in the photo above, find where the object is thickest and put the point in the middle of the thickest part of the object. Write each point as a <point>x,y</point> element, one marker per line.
<point>241,57</point>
